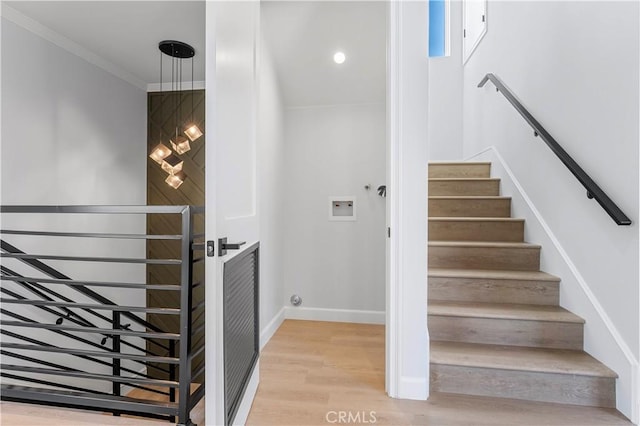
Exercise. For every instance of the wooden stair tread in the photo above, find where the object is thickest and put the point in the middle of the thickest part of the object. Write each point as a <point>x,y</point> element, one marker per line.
<point>459,169</point>
<point>559,361</point>
<point>492,274</point>
<point>468,197</point>
<point>474,219</point>
<point>460,163</point>
<point>464,179</point>
<point>485,244</point>
<point>503,311</point>
<point>469,206</point>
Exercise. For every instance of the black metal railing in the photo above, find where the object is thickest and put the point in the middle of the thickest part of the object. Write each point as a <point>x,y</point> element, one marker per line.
<point>67,344</point>
<point>593,190</point>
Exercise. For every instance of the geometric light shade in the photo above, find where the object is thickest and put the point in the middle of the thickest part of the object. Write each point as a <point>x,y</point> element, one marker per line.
<point>176,180</point>
<point>159,153</point>
<point>180,144</point>
<point>172,164</point>
<point>193,132</point>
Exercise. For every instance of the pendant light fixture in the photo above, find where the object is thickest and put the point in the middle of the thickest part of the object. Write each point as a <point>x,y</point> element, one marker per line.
<point>161,154</point>
<point>176,180</point>
<point>160,151</point>
<point>172,164</point>
<point>192,131</point>
<point>180,144</point>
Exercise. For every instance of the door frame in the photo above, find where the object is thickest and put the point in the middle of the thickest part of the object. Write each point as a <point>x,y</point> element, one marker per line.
<point>406,345</point>
<point>214,353</point>
<point>244,226</point>
<point>407,338</point>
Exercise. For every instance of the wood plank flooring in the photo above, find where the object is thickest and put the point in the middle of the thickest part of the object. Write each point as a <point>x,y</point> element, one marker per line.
<point>312,369</point>
<point>16,414</point>
<point>309,370</point>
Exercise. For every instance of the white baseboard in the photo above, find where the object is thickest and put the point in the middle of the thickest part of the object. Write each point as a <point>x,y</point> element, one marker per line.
<point>270,329</point>
<point>335,315</point>
<point>415,388</point>
<point>609,346</point>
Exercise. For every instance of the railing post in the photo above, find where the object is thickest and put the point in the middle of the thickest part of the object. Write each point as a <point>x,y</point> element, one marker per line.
<point>116,361</point>
<point>172,374</point>
<point>185,319</point>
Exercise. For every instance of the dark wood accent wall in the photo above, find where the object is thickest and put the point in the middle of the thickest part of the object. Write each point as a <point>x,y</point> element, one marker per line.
<point>162,113</point>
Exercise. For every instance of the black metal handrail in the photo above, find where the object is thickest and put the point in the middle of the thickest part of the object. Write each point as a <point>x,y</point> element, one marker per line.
<point>83,321</point>
<point>593,190</point>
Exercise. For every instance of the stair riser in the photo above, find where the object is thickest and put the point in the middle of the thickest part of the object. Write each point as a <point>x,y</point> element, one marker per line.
<point>540,334</point>
<point>459,170</point>
<point>494,291</point>
<point>500,207</point>
<point>477,230</point>
<point>507,258</point>
<point>468,187</point>
<point>532,386</point>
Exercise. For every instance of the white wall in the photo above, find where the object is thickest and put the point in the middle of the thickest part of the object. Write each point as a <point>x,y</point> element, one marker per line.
<point>338,268</point>
<point>445,95</point>
<point>271,196</point>
<point>72,134</point>
<point>574,65</point>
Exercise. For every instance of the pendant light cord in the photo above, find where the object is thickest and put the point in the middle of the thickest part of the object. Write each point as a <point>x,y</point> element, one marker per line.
<point>180,96</point>
<point>192,94</point>
<point>161,98</point>
<point>173,89</point>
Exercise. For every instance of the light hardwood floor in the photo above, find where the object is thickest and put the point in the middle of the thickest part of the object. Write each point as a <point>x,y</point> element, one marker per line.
<point>311,371</point>
<point>15,414</point>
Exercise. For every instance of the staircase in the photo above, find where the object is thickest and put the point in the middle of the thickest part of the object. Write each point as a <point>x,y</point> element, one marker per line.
<point>495,322</point>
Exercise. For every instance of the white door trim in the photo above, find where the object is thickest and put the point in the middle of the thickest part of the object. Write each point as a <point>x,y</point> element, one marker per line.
<point>407,340</point>
<point>214,374</point>
<point>392,330</point>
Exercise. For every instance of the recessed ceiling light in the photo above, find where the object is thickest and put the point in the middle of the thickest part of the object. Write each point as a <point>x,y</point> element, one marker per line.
<point>339,57</point>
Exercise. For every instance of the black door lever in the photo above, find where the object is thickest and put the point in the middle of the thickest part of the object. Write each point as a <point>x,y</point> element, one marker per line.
<point>223,246</point>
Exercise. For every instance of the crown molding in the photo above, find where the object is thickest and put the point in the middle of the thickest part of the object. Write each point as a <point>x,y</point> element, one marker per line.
<point>29,24</point>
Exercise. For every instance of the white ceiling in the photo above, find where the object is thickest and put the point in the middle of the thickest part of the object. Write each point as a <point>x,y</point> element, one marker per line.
<point>125,33</point>
<point>302,38</point>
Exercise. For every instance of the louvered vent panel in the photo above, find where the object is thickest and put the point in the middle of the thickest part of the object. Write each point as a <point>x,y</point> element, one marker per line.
<point>241,328</point>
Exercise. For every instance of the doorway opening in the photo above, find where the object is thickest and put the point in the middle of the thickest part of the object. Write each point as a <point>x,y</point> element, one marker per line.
<point>322,166</point>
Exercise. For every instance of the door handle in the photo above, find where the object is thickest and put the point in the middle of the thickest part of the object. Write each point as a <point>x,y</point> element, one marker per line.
<point>223,246</point>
